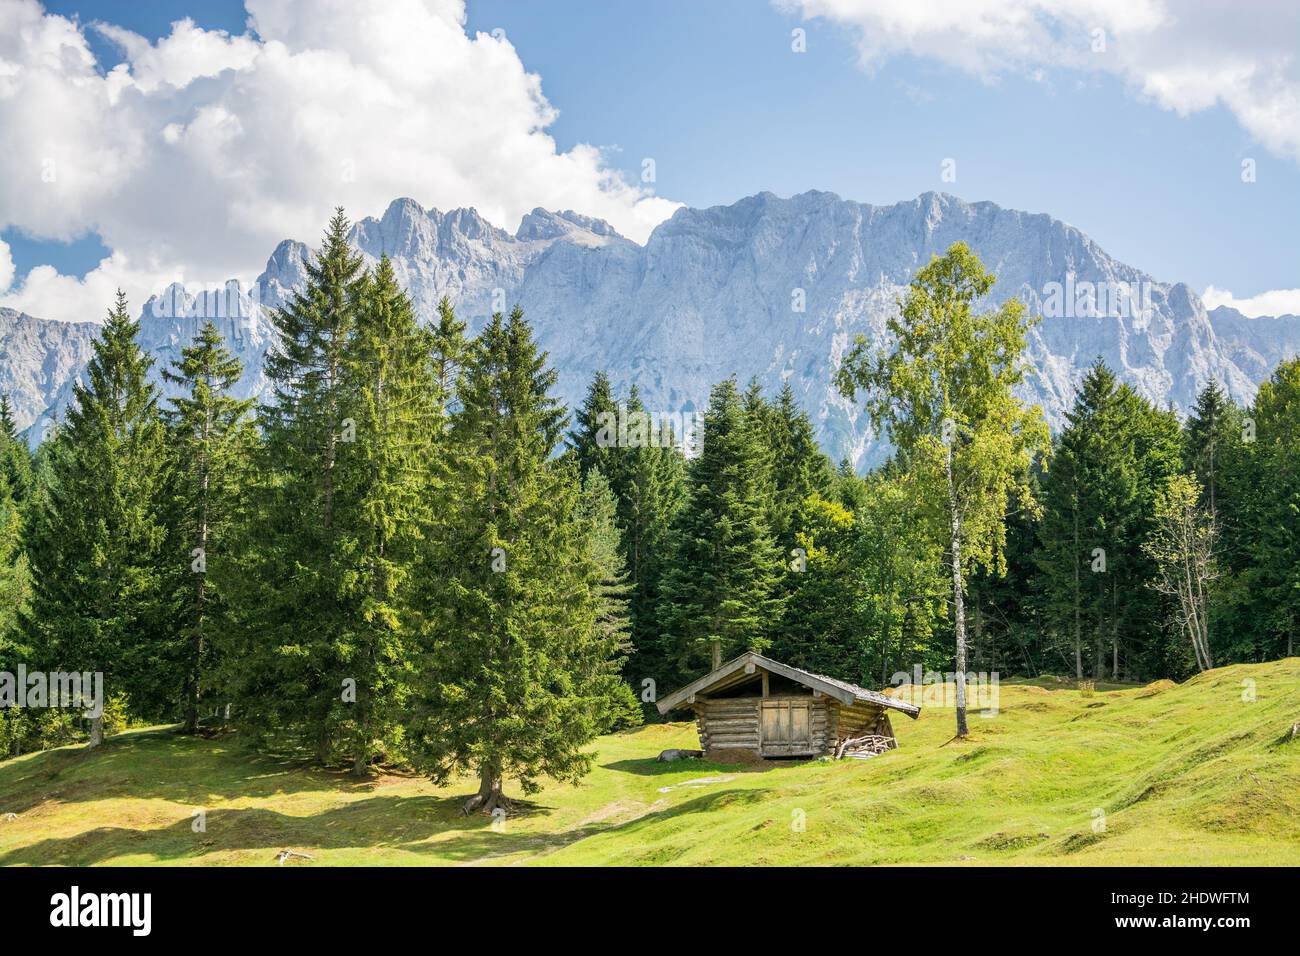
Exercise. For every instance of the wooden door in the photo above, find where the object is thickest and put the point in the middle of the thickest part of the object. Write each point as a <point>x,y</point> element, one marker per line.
<point>785,729</point>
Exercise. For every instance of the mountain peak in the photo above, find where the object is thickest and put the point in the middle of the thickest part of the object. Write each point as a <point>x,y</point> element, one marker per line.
<point>403,210</point>
<point>544,224</point>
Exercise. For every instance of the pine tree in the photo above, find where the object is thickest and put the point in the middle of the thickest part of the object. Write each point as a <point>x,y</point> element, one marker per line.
<point>294,684</point>
<point>1152,440</point>
<point>1272,520</point>
<point>517,676</point>
<point>449,347</point>
<point>97,538</point>
<point>1212,454</point>
<point>15,460</point>
<point>13,570</point>
<point>15,480</point>
<point>599,509</point>
<point>646,478</point>
<point>650,487</point>
<point>1060,553</point>
<point>798,467</point>
<point>210,438</point>
<point>594,438</point>
<point>719,593</point>
<point>1098,499</point>
<point>387,490</point>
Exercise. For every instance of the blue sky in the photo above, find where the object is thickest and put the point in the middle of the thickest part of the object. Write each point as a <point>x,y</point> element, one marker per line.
<point>713,93</point>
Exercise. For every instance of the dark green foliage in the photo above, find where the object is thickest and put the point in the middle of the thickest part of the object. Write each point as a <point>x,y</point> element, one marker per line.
<point>15,460</point>
<point>518,673</point>
<point>599,509</point>
<point>593,440</point>
<point>210,436</point>
<point>388,487</point>
<point>399,566</point>
<point>1214,453</point>
<point>797,467</point>
<point>96,538</point>
<point>1268,472</point>
<point>646,474</point>
<point>294,640</point>
<point>1092,572</point>
<point>721,587</point>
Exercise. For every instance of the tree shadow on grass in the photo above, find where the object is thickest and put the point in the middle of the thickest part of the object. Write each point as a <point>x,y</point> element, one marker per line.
<point>402,823</point>
<point>162,764</point>
<point>377,821</point>
<point>484,844</point>
<point>650,767</point>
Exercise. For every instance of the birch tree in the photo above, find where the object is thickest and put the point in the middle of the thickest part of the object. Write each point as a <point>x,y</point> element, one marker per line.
<point>944,391</point>
<point>1183,546</point>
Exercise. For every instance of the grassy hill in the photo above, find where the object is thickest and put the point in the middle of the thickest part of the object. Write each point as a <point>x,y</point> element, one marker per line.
<point>1184,774</point>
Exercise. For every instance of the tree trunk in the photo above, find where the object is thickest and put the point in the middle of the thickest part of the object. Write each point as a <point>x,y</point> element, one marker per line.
<point>1078,629</point>
<point>1114,632</point>
<point>191,725</point>
<point>489,796</point>
<point>96,732</point>
<point>958,599</point>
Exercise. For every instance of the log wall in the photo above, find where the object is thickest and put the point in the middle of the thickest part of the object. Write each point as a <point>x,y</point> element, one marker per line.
<point>733,724</point>
<point>730,724</point>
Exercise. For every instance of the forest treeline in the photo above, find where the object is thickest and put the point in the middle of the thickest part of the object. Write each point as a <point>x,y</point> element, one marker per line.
<point>411,555</point>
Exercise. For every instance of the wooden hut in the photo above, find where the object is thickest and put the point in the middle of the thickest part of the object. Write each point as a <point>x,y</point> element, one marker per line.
<point>754,706</point>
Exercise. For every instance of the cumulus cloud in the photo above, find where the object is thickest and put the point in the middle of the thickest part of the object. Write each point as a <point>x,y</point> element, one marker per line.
<point>197,154</point>
<point>1276,302</point>
<point>6,266</point>
<point>1185,57</point>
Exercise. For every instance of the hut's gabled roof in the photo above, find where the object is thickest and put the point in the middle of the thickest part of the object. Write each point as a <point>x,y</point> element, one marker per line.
<point>735,671</point>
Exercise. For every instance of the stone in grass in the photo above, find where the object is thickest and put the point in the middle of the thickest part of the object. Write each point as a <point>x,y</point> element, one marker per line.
<point>670,755</point>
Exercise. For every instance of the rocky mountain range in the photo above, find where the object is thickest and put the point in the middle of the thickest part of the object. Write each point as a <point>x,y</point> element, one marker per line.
<point>766,287</point>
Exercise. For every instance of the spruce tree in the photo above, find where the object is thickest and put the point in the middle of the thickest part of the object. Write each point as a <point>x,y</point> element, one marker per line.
<point>646,479</point>
<point>1059,556</point>
<point>388,486</point>
<point>15,460</point>
<point>449,346</point>
<point>13,570</point>
<point>1273,520</point>
<point>594,438</point>
<point>15,481</point>
<point>97,536</point>
<point>719,595</point>
<point>210,437</point>
<point>798,466</point>
<point>1092,570</point>
<point>295,685</point>
<point>1212,444</point>
<point>599,509</point>
<point>516,677</point>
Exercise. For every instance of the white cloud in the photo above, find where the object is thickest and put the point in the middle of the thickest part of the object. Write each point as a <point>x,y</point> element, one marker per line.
<point>201,151</point>
<point>1185,57</point>
<point>1275,302</point>
<point>6,266</point>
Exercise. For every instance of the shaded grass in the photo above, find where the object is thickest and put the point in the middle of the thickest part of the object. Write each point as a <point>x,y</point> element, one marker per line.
<point>1163,774</point>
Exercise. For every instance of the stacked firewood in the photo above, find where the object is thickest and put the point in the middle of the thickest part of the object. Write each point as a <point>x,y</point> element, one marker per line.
<point>868,744</point>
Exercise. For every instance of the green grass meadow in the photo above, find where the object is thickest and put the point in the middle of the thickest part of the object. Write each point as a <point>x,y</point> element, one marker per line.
<point>1205,772</point>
